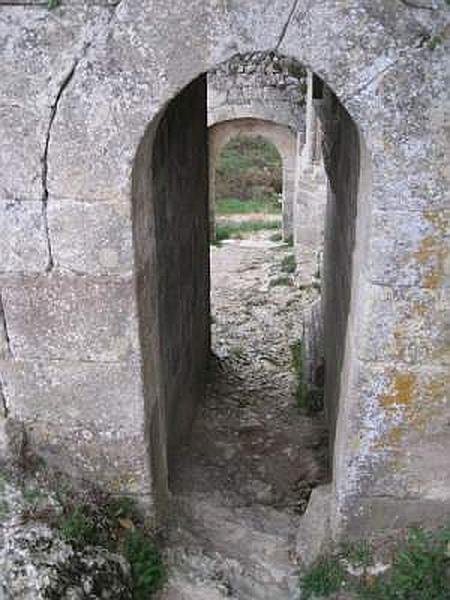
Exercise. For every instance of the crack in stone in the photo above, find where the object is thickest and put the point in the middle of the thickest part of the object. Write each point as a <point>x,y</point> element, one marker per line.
<point>4,325</point>
<point>3,401</point>
<point>365,85</point>
<point>411,4</point>
<point>286,25</point>
<point>54,109</point>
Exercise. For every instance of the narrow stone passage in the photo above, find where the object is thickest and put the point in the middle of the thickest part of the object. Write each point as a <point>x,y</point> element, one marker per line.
<point>241,484</point>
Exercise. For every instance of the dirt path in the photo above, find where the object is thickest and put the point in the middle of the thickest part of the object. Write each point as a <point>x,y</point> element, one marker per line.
<point>240,485</point>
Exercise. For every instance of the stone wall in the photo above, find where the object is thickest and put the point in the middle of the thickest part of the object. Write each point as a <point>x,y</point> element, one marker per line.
<point>309,221</point>
<point>82,90</point>
<point>259,85</point>
<point>180,203</point>
<point>170,216</point>
<point>341,158</point>
<point>310,196</point>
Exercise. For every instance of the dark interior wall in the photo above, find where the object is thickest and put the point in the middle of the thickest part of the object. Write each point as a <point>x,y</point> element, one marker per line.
<point>341,150</point>
<point>180,204</point>
<point>170,230</point>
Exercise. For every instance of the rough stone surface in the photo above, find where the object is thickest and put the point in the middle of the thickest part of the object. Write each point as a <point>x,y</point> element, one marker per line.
<point>36,563</point>
<point>68,317</point>
<point>241,484</point>
<point>23,245</point>
<point>92,238</point>
<point>313,533</point>
<point>259,85</point>
<point>81,85</point>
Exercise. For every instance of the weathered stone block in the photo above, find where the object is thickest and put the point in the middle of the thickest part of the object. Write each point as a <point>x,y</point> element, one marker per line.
<point>96,399</point>
<point>23,243</point>
<point>405,325</point>
<point>402,411</point>
<point>21,149</point>
<point>38,50</point>
<point>70,317</point>
<point>410,248</point>
<point>86,418</point>
<point>91,237</point>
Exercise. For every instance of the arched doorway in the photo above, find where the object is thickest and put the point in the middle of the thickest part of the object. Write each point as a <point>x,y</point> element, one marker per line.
<point>284,140</point>
<point>175,198</point>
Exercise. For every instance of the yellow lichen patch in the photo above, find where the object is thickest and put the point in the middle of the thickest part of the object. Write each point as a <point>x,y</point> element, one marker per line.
<point>415,412</point>
<point>395,435</point>
<point>402,391</point>
<point>432,279</point>
<point>436,389</point>
<point>438,219</point>
<point>433,249</point>
<point>426,249</point>
<point>420,308</point>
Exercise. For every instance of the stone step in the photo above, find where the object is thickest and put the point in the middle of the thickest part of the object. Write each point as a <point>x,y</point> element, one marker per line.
<point>236,548</point>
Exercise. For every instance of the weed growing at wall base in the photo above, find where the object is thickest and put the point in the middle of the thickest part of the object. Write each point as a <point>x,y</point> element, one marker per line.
<point>309,397</point>
<point>288,264</point>
<point>117,526</point>
<point>419,570</point>
<point>147,568</point>
<point>297,360</point>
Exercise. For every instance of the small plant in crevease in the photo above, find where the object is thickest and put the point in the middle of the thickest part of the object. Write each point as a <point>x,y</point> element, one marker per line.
<point>78,527</point>
<point>288,264</point>
<point>297,359</point>
<point>117,525</point>
<point>147,568</point>
<point>325,577</point>
<point>309,397</point>
<point>52,4</point>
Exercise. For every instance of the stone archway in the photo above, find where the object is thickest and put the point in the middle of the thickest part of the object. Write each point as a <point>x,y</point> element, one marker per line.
<point>284,140</point>
<point>70,308</point>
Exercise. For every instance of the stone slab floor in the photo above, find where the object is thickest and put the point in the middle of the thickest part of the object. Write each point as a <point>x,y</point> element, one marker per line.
<point>240,485</point>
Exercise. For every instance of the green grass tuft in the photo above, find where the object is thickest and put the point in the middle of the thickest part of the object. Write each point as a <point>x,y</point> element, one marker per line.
<point>297,361</point>
<point>117,525</point>
<point>420,570</point>
<point>325,577</point>
<point>147,568</point>
<point>78,527</point>
<point>288,264</point>
<point>309,398</point>
<point>290,241</point>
